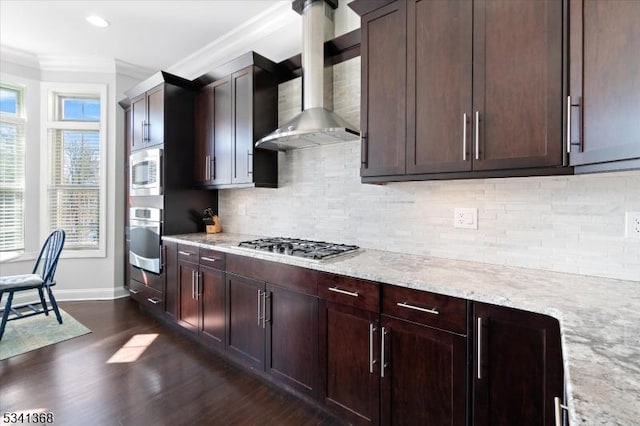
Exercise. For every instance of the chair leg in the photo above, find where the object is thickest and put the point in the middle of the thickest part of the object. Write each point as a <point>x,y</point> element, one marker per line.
<point>54,305</point>
<point>5,314</point>
<point>44,303</point>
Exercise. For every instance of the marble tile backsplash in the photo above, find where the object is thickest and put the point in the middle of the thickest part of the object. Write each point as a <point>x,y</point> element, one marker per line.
<point>571,224</point>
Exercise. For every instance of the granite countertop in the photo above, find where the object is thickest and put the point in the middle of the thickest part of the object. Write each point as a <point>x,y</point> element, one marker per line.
<point>599,317</point>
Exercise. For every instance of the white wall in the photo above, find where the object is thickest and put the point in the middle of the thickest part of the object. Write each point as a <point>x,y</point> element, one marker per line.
<point>569,224</point>
<point>77,278</point>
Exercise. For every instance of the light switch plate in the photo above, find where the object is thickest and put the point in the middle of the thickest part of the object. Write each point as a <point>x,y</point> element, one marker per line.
<point>466,218</point>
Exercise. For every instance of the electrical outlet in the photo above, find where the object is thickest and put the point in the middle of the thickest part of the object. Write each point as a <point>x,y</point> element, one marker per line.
<point>242,210</point>
<point>632,224</point>
<point>466,218</point>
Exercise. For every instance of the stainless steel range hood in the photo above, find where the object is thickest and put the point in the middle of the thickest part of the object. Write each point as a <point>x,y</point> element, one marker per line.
<point>315,125</point>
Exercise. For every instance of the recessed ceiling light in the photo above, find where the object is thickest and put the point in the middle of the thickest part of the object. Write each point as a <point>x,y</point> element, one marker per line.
<point>97,21</point>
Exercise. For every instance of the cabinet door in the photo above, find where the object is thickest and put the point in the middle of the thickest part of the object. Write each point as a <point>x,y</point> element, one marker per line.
<point>517,84</point>
<point>245,332</point>
<point>222,128</point>
<point>292,339</point>
<point>517,367</point>
<point>188,313</point>
<point>204,142</point>
<point>384,71</point>
<point>155,113</point>
<point>243,126</point>
<point>212,298</point>
<point>605,80</point>
<point>351,372</point>
<point>439,86</point>
<point>172,286</point>
<point>138,122</point>
<point>425,378</point>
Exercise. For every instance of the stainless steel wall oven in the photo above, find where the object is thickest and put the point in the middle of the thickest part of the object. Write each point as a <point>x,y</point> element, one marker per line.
<point>145,249</point>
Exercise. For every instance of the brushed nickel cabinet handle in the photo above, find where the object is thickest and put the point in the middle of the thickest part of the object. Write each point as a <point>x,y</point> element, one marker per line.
<point>383,363</point>
<point>264,309</point>
<point>477,135</point>
<point>206,168</point>
<point>259,299</point>
<point>184,253</point>
<point>214,167</point>
<point>569,124</point>
<point>371,360</point>
<point>348,293</point>
<point>208,259</point>
<point>193,284</point>
<point>134,291</point>
<point>464,137</point>
<point>197,286</point>
<point>558,407</point>
<point>154,300</point>
<point>479,354</point>
<point>142,129</point>
<point>433,311</point>
<point>364,153</point>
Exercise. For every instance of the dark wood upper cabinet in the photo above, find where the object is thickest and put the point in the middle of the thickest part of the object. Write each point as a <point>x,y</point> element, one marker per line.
<point>148,118</point>
<point>456,89</point>
<point>517,84</point>
<point>232,113</point>
<point>605,82</point>
<point>517,367</point>
<point>439,69</point>
<point>383,103</point>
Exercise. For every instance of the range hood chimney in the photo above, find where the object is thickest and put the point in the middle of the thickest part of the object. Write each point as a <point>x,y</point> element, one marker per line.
<point>315,125</point>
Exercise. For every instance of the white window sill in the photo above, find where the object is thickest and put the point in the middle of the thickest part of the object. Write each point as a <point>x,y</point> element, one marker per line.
<point>16,256</point>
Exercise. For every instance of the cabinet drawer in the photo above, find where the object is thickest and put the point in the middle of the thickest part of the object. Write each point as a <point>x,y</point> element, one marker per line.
<point>146,296</point>
<point>188,253</point>
<point>212,259</point>
<point>444,312</point>
<point>350,291</point>
<point>147,278</point>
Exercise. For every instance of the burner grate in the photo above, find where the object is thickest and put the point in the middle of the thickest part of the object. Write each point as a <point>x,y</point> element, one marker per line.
<point>308,249</point>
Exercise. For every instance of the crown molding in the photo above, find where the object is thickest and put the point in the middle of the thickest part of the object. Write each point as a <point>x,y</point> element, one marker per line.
<point>132,70</point>
<point>94,63</point>
<point>240,39</point>
<point>20,57</point>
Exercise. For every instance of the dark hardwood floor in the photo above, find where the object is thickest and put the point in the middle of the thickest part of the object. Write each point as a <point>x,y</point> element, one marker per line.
<point>174,382</point>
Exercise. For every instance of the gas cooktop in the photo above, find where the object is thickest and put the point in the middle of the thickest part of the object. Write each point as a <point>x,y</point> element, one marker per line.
<point>314,250</point>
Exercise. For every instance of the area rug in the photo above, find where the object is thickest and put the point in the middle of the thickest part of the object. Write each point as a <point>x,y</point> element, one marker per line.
<point>35,332</point>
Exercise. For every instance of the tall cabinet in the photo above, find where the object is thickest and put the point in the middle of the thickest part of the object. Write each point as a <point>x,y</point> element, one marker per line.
<point>232,113</point>
<point>460,86</point>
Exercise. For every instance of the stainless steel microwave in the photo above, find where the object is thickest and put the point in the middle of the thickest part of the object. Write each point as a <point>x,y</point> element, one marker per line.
<point>146,172</point>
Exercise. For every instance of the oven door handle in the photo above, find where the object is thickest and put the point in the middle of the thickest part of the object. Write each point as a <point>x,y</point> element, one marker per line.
<point>144,224</point>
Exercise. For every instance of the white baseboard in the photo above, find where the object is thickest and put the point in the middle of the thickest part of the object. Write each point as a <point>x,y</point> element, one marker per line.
<point>68,295</point>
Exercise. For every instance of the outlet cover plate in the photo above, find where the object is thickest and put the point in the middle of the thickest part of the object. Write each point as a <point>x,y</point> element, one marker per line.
<point>466,218</point>
<point>632,225</point>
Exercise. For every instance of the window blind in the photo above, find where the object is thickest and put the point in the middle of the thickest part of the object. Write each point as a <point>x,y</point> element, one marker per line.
<point>74,186</point>
<point>11,184</point>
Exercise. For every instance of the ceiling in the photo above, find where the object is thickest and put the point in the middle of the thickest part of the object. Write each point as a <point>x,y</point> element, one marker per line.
<point>150,34</point>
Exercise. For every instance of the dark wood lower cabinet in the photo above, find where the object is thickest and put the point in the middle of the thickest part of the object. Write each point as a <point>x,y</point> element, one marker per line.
<point>351,370</point>
<point>212,308</point>
<point>517,367</point>
<point>188,309</point>
<point>292,339</point>
<point>425,375</point>
<point>245,328</point>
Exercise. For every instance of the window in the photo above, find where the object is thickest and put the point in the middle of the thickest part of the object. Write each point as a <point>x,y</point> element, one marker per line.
<point>12,141</point>
<point>75,160</point>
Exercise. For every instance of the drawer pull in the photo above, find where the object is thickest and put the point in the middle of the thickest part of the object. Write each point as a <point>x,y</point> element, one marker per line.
<point>208,259</point>
<point>433,311</point>
<point>184,253</point>
<point>348,293</point>
<point>154,300</point>
<point>134,291</point>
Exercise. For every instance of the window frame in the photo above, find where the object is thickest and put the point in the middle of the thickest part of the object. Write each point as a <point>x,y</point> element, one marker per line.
<point>51,94</point>
<point>18,119</point>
